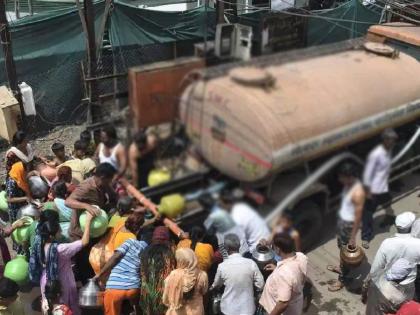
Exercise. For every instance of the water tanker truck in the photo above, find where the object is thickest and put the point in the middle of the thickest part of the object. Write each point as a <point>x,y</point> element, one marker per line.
<point>276,121</point>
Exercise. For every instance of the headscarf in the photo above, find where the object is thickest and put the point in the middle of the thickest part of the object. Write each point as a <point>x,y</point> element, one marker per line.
<point>399,270</point>
<point>415,229</point>
<point>22,156</point>
<point>18,174</point>
<point>161,235</point>
<point>182,280</point>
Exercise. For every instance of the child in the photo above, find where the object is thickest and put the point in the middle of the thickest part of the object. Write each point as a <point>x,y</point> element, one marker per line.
<point>52,305</point>
<point>125,207</point>
<point>81,165</point>
<point>10,303</point>
<point>86,138</point>
<point>60,153</point>
<point>80,148</point>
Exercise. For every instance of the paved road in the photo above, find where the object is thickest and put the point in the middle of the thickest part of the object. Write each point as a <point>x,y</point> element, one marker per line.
<point>345,302</point>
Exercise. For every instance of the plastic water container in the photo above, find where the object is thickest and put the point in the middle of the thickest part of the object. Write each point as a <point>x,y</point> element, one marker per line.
<point>28,99</point>
<point>172,205</point>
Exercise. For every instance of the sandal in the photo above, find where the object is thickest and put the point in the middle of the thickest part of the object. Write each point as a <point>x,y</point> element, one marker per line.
<point>335,286</point>
<point>334,269</point>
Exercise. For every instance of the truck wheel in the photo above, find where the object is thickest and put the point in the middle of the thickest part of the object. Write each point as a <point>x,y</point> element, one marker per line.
<point>307,220</point>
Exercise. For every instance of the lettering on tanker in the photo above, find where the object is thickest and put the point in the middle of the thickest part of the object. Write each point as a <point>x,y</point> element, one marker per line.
<point>337,137</point>
<point>218,100</point>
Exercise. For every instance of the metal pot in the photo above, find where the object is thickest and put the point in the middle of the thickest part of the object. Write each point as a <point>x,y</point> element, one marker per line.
<point>90,296</point>
<point>29,210</point>
<point>38,187</point>
<point>215,305</point>
<point>352,256</point>
<point>262,255</point>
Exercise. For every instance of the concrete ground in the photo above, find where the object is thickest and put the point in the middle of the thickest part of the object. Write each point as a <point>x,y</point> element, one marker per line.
<point>345,302</point>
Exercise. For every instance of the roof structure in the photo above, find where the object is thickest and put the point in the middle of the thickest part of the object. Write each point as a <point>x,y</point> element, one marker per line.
<point>404,32</point>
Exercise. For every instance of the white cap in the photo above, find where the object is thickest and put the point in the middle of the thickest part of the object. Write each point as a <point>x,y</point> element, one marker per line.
<point>405,220</point>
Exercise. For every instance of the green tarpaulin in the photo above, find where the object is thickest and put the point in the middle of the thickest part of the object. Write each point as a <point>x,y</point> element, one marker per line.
<point>48,48</point>
<point>133,26</point>
<point>322,30</point>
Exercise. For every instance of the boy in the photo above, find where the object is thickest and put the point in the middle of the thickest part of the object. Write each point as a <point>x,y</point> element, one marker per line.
<point>81,166</point>
<point>86,137</point>
<point>80,148</point>
<point>60,154</point>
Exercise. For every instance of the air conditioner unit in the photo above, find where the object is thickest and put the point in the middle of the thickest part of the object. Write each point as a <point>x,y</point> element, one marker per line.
<point>243,42</point>
<point>224,40</point>
<point>233,41</point>
<point>210,4</point>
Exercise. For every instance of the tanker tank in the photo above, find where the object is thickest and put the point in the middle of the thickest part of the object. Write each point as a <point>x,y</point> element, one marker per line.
<point>252,122</point>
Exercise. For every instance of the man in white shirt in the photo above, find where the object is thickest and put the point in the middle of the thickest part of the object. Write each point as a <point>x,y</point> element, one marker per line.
<point>221,223</point>
<point>375,180</point>
<point>402,245</point>
<point>252,223</point>
<point>239,276</point>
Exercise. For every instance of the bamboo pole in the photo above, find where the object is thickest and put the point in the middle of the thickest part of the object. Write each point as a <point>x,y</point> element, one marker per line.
<point>171,225</point>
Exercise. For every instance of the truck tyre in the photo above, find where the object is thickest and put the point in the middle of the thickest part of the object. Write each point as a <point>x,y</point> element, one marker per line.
<point>307,219</point>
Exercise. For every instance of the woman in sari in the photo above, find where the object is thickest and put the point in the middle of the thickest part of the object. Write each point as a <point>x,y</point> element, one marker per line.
<point>21,151</point>
<point>51,261</point>
<point>203,251</point>
<point>157,261</point>
<point>17,190</point>
<point>185,286</point>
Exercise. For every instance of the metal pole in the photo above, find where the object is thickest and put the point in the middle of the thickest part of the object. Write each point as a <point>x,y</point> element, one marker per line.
<point>220,9</point>
<point>17,12</point>
<point>354,24</point>
<point>6,42</point>
<point>206,2</point>
<point>30,8</point>
<point>91,69</point>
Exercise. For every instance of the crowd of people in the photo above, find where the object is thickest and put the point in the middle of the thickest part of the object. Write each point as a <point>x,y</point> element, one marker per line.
<point>141,266</point>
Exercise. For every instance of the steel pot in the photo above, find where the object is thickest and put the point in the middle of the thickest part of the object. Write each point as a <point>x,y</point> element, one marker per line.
<point>262,255</point>
<point>90,296</point>
<point>29,210</point>
<point>38,187</point>
<point>352,256</point>
<point>215,305</point>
